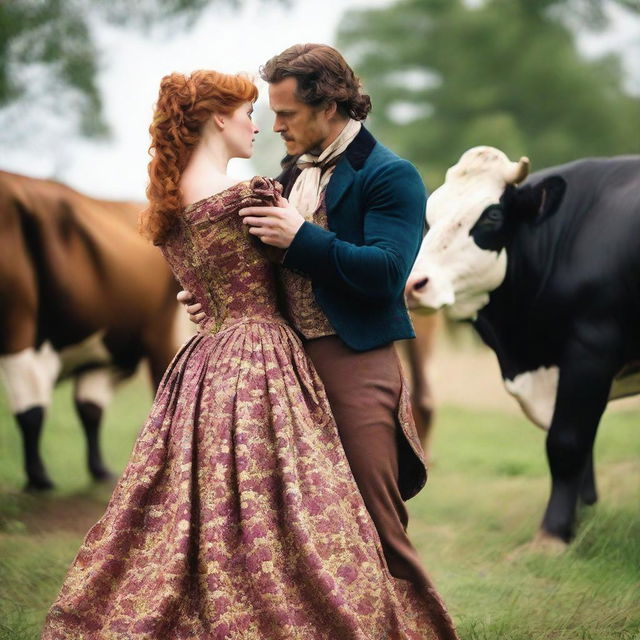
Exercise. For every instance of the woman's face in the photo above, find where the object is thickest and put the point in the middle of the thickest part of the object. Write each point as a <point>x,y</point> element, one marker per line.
<point>240,131</point>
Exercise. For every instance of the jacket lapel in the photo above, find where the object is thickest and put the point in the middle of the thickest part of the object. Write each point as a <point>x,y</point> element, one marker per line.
<point>352,161</point>
<point>340,181</point>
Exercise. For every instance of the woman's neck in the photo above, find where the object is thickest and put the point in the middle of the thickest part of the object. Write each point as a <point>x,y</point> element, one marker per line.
<point>205,173</point>
<point>209,156</point>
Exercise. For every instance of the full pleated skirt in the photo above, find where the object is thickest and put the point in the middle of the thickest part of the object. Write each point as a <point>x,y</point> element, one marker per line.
<point>237,516</point>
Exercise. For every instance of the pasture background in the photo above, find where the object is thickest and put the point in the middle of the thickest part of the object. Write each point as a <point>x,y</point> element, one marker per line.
<point>488,76</point>
<point>487,488</point>
<point>550,79</point>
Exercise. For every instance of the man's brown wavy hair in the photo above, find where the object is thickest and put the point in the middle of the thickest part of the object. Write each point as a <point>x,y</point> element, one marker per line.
<point>185,104</point>
<point>322,75</point>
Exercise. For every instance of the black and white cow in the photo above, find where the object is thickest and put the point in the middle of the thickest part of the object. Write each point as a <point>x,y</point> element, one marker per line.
<point>549,273</point>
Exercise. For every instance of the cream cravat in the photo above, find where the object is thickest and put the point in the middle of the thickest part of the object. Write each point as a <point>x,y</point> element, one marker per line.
<point>315,174</point>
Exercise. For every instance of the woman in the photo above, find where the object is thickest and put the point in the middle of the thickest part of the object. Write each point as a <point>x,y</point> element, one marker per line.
<point>237,515</point>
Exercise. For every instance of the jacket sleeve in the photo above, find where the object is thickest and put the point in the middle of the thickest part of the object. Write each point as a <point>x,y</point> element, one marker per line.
<point>394,218</point>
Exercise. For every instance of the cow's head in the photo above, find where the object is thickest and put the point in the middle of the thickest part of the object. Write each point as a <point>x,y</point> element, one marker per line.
<point>471,218</point>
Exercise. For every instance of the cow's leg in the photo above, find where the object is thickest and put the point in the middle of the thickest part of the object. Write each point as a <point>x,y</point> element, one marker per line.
<point>421,398</point>
<point>588,491</point>
<point>160,343</point>
<point>93,392</point>
<point>417,354</point>
<point>30,423</point>
<point>423,406</point>
<point>583,391</point>
<point>29,377</point>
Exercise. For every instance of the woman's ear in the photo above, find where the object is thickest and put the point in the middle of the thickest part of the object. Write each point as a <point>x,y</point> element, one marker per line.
<point>219,120</point>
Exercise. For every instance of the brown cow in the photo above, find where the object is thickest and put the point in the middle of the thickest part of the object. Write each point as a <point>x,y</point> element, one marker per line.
<point>81,294</point>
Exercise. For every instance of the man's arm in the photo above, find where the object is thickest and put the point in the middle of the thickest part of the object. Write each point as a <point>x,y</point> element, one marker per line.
<point>393,226</point>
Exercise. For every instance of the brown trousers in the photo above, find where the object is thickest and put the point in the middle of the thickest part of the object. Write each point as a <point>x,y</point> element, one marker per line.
<point>363,389</point>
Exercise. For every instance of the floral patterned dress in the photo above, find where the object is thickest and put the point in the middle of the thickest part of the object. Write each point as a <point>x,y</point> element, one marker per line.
<point>237,516</point>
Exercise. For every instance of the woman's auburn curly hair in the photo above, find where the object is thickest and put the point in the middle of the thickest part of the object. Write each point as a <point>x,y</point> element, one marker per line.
<point>185,104</point>
<point>322,75</point>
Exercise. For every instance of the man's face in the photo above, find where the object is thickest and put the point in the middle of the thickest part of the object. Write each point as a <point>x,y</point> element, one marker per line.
<point>302,127</point>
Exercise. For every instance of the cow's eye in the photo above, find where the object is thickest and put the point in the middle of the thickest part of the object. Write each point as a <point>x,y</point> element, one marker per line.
<point>489,231</point>
<point>494,215</point>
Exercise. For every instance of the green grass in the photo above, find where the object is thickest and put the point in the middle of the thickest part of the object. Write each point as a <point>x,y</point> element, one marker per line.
<point>483,503</point>
<point>40,534</point>
<point>486,493</point>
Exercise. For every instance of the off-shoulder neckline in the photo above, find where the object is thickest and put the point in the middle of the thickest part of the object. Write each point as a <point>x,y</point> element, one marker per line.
<point>217,194</point>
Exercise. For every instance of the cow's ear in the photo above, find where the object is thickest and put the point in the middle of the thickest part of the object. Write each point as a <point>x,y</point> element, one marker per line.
<point>551,195</point>
<point>536,202</point>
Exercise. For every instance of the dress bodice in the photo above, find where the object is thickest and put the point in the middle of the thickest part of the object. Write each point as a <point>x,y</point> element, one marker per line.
<point>213,255</point>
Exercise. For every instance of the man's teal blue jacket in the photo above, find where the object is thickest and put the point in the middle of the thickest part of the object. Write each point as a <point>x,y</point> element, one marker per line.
<point>359,266</point>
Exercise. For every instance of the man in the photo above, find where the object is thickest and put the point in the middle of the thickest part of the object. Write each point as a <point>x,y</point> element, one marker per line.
<point>350,231</point>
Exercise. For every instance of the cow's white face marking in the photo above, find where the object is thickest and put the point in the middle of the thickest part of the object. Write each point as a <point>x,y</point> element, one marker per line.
<point>451,270</point>
<point>536,393</point>
<point>29,377</point>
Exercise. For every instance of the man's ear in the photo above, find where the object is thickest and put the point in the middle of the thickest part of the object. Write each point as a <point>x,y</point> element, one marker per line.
<point>331,109</point>
<point>535,203</point>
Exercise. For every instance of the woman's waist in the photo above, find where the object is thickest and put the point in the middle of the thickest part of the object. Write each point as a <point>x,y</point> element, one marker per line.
<point>214,326</point>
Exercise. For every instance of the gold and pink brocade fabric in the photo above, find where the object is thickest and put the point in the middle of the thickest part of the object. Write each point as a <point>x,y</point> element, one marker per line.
<point>303,311</point>
<point>237,516</point>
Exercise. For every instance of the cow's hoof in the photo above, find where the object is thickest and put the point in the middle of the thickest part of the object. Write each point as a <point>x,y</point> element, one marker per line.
<point>39,484</point>
<point>102,474</point>
<point>544,542</point>
<point>588,499</point>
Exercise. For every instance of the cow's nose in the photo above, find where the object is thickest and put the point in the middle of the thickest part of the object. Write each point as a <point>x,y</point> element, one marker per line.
<point>420,284</point>
<point>415,286</point>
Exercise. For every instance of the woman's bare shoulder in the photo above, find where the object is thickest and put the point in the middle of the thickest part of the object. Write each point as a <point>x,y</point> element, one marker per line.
<point>194,192</point>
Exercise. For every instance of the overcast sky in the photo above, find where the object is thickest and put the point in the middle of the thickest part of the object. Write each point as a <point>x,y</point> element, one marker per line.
<point>222,39</point>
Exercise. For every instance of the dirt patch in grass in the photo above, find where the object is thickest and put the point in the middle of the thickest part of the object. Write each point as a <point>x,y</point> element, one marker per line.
<point>45,515</point>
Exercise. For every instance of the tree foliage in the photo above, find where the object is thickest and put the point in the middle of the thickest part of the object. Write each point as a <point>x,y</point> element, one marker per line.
<point>446,75</point>
<point>48,43</point>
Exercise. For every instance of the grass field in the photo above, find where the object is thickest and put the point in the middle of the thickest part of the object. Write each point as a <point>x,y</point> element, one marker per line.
<point>485,496</point>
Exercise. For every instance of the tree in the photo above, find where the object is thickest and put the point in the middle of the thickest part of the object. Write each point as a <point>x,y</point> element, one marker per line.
<point>47,44</point>
<point>446,75</point>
